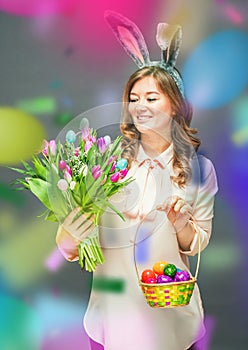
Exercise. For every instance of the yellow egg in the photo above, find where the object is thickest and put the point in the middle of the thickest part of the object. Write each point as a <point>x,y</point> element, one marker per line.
<point>21,135</point>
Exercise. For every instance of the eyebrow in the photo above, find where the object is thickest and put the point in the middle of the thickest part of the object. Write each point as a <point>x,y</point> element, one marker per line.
<point>147,93</point>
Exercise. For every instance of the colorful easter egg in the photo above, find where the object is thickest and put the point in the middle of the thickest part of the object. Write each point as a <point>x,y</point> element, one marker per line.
<point>164,279</point>
<point>147,275</point>
<point>122,164</point>
<point>170,270</point>
<point>70,136</point>
<point>182,276</point>
<point>159,266</point>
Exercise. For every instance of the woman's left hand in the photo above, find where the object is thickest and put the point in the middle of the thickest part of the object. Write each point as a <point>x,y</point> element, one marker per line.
<point>177,210</point>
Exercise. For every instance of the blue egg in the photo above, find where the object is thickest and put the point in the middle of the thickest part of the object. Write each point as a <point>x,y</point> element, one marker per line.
<point>70,136</point>
<point>121,164</point>
<point>216,71</point>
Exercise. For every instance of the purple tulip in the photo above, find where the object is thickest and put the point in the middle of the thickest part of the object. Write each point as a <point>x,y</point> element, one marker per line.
<point>115,177</point>
<point>101,145</point>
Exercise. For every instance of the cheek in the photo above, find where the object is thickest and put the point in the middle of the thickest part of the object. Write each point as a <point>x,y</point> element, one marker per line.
<point>131,109</point>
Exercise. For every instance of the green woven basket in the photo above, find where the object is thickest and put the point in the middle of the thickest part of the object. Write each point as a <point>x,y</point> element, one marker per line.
<point>173,294</point>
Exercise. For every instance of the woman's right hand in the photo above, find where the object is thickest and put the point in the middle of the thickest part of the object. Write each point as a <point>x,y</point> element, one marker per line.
<point>71,232</point>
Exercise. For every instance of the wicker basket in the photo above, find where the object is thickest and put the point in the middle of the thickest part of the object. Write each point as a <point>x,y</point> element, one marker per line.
<point>173,294</point>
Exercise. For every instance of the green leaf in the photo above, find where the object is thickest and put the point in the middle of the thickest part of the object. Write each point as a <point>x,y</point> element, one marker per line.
<point>40,189</point>
<point>39,168</point>
<point>51,217</point>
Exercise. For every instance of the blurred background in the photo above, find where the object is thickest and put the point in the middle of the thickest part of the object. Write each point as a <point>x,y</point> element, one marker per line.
<point>59,59</point>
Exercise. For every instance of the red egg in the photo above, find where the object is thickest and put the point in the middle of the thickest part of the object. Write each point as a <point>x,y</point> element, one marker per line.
<point>148,275</point>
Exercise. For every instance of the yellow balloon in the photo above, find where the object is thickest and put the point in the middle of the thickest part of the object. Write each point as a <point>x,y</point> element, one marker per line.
<point>21,135</point>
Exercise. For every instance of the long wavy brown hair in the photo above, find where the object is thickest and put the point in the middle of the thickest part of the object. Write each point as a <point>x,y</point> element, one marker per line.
<point>182,135</point>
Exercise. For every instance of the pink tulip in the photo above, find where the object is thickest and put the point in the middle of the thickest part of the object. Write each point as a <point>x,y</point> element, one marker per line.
<point>124,172</point>
<point>85,134</point>
<point>113,166</point>
<point>62,165</point>
<point>45,148</point>
<point>67,176</point>
<point>77,151</point>
<point>88,145</point>
<point>62,185</point>
<point>68,169</point>
<point>111,159</point>
<point>53,147</point>
<point>115,177</point>
<point>96,171</point>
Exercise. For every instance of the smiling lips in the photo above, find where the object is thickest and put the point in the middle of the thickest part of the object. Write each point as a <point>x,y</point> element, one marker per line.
<point>143,118</point>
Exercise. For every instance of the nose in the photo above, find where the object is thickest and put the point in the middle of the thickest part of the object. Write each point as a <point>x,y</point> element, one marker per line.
<point>141,107</point>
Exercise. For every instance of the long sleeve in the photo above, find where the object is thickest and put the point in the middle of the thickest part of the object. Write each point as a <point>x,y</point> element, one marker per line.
<point>204,206</point>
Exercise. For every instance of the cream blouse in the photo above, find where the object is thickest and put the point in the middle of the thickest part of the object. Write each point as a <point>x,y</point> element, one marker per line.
<point>122,319</point>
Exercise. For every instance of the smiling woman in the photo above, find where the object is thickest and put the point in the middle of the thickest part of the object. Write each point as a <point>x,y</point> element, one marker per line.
<point>172,198</point>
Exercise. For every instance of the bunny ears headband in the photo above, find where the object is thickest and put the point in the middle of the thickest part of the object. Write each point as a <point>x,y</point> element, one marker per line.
<point>169,38</point>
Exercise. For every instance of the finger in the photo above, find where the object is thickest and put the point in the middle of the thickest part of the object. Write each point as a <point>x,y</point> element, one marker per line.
<point>170,203</point>
<point>71,217</point>
<point>85,229</point>
<point>82,219</point>
<point>178,205</point>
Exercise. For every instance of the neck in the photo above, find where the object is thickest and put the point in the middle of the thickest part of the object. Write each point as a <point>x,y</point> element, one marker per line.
<point>154,146</point>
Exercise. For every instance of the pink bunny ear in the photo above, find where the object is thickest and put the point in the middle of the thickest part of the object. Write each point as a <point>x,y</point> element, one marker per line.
<point>129,36</point>
<point>169,39</point>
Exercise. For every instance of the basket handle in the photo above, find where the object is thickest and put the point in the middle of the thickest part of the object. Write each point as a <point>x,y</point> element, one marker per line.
<point>192,219</point>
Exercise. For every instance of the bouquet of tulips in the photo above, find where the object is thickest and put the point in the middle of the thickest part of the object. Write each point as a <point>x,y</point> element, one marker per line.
<point>84,171</point>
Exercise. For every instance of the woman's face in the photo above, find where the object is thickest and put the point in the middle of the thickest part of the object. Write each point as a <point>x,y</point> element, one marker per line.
<point>149,107</point>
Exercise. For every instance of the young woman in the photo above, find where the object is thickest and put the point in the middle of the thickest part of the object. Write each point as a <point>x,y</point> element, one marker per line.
<point>172,185</point>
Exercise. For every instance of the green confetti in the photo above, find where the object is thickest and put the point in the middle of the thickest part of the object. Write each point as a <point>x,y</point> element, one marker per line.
<point>39,105</point>
<point>104,284</point>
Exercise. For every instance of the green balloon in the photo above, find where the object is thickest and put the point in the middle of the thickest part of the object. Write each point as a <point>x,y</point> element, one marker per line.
<point>170,270</point>
<point>21,135</point>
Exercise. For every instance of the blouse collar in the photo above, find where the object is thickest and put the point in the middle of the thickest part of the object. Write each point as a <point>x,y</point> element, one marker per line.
<point>165,157</point>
